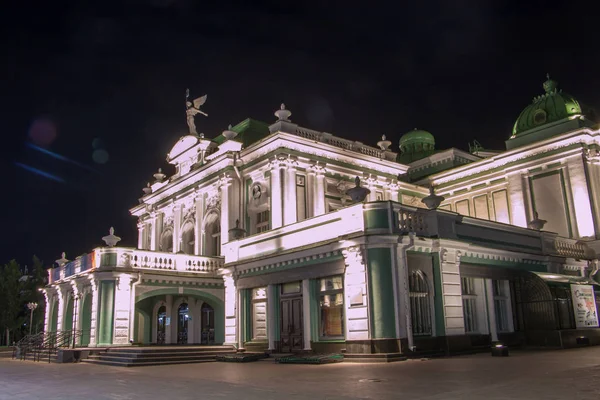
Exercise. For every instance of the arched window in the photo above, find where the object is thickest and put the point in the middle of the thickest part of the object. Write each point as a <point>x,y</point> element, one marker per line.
<point>212,235</point>
<point>166,241</point>
<point>420,306</point>
<point>188,238</point>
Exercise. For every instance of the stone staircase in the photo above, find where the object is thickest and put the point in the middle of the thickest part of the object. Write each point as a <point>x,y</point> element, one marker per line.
<point>158,355</point>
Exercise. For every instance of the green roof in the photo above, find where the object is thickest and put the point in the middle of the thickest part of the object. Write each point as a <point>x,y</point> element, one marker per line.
<point>249,131</point>
<point>552,106</point>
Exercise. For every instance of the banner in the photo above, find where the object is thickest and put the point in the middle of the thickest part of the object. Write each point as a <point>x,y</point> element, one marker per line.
<point>584,306</point>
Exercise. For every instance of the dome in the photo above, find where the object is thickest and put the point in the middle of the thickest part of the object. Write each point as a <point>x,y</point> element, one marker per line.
<point>552,106</point>
<point>416,136</point>
<point>415,145</point>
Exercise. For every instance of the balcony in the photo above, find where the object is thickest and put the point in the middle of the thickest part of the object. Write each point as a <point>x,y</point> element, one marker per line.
<point>110,258</point>
<point>391,218</point>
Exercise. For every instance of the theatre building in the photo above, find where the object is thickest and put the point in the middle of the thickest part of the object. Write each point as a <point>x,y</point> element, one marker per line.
<point>281,238</point>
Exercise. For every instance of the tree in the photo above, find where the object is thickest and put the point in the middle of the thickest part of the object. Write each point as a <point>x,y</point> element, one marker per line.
<point>10,297</point>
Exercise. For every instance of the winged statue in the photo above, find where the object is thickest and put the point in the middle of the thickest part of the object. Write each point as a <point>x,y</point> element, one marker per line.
<point>193,109</point>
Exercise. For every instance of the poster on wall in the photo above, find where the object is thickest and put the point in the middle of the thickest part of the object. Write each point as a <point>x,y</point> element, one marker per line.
<point>584,306</point>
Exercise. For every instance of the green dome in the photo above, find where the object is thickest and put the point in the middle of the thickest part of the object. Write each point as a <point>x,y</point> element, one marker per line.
<point>416,136</point>
<point>554,105</point>
<point>415,145</point>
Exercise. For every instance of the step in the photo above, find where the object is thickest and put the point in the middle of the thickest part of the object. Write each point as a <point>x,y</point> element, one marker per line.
<point>153,359</point>
<point>142,364</point>
<point>170,349</point>
<point>373,358</point>
<point>166,353</point>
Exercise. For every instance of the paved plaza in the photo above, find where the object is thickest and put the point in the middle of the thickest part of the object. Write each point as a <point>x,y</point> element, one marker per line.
<point>557,374</point>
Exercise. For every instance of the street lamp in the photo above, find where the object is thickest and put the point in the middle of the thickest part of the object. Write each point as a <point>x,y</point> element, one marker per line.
<point>75,297</point>
<point>32,306</point>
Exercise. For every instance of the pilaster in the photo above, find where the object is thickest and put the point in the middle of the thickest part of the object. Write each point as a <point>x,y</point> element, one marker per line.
<point>225,186</point>
<point>355,288</point>
<point>272,317</point>
<point>306,321</point>
<point>230,308</point>
<point>582,206</point>
<point>310,192</point>
<point>451,291</point>
<point>95,302</point>
<point>177,213</point>
<point>48,309</point>
<point>491,312</point>
<point>169,320</point>
<point>276,164</point>
<point>290,207</point>
<point>319,198</point>
<point>517,199</point>
<point>198,233</point>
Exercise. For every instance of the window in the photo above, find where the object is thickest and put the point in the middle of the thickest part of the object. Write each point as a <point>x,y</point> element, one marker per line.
<point>331,307</point>
<point>262,221</point>
<point>469,298</point>
<point>501,298</point>
<point>301,197</point>
<point>420,308</point>
<point>291,287</point>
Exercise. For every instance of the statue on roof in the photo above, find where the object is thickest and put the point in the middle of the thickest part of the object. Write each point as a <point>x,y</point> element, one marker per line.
<point>193,109</point>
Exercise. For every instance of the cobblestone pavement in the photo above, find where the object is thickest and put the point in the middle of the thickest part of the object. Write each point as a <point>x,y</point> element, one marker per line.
<point>547,375</point>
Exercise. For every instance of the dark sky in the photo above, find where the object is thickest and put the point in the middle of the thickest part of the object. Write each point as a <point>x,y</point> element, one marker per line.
<point>117,72</point>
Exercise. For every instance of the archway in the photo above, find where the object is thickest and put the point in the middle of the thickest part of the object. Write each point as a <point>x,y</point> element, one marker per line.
<point>161,321</point>
<point>182,323</point>
<point>166,241</point>
<point>86,319</point>
<point>212,235</point>
<point>188,237</point>
<point>68,317</point>
<point>54,317</point>
<point>207,315</point>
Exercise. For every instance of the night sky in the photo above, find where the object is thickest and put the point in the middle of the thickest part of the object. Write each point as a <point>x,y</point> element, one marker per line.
<point>102,87</point>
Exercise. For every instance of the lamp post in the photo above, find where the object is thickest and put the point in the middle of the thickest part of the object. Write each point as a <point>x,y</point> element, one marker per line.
<point>32,306</point>
<point>75,297</point>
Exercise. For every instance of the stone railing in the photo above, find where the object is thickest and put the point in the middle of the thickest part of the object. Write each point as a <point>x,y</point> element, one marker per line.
<point>571,248</point>
<point>412,219</point>
<point>119,257</point>
<point>176,262</point>
<point>345,143</point>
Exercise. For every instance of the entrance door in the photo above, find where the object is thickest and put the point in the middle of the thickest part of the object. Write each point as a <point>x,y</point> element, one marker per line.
<point>291,324</point>
<point>161,325</point>
<point>182,324</point>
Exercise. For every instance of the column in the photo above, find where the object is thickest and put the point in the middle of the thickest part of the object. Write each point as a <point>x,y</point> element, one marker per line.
<point>225,186</point>
<point>310,192</point>
<point>177,211</point>
<point>141,232</point>
<point>156,221</point>
<point>106,312</point>
<point>319,199</point>
<point>381,293</point>
<point>191,302</point>
<point>168,314</point>
<point>272,326</point>
<point>517,200</point>
<point>306,297</point>
<point>230,317</point>
<point>582,206</point>
<point>276,195</point>
<point>95,302</point>
<point>491,312</point>
<point>240,319</point>
<point>290,206</point>
<point>122,311</point>
<point>198,234</point>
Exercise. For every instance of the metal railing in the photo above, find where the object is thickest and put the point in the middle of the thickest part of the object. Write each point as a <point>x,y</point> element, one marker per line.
<point>46,343</point>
